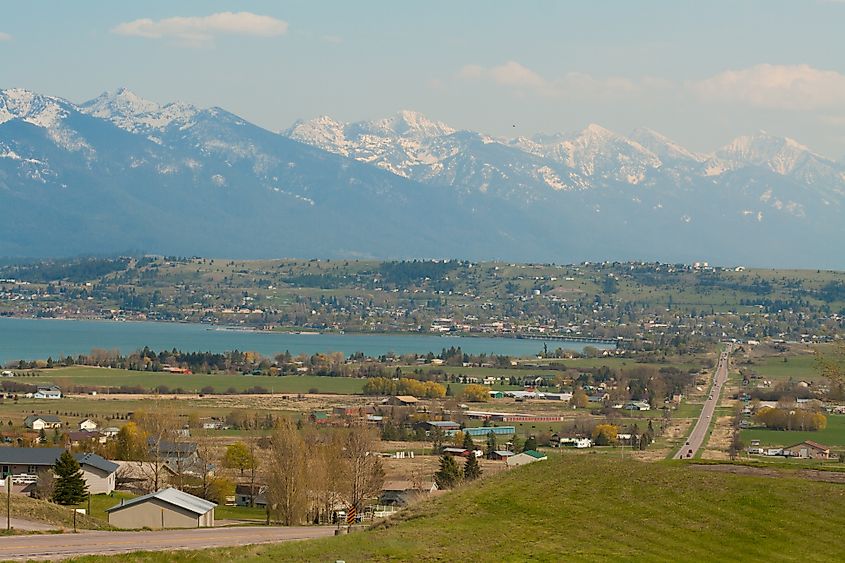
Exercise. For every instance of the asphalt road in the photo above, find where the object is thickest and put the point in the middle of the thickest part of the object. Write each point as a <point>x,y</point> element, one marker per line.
<point>60,546</point>
<point>696,438</point>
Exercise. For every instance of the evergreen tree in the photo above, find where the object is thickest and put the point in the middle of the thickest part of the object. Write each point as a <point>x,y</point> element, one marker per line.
<point>472,469</point>
<point>70,486</point>
<point>468,443</point>
<point>42,435</point>
<point>437,440</point>
<point>491,445</point>
<point>449,473</point>
<point>530,444</point>
<point>516,443</point>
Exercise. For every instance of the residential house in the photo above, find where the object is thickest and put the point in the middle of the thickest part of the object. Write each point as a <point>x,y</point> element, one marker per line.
<point>27,461</point>
<point>76,438</point>
<point>808,449</point>
<point>110,432</point>
<point>51,392</point>
<point>526,457</point>
<point>87,425</point>
<point>100,474</point>
<point>255,493</point>
<point>637,406</point>
<point>167,508</point>
<point>403,493</point>
<point>571,442</point>
<point>402,401</point>
<point>42,421</point>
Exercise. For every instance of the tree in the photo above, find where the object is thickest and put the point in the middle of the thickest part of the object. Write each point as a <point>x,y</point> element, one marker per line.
<point>492,446</point>
<point>449,474</point>
<point>604,434</point>
<point>472,469</point>
<point>579,398</point>
<point>530,444</point>
<point>286,493</point>
<point>70,486</point>
<point>475,393</point>
<point>437,437</point>
<point>239,457</point>
<point>131,444</point>
<point>467,442</point>
<point>364,470</point>
<point>517,443</point>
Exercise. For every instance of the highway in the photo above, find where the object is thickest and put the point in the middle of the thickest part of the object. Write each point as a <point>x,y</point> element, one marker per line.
<point>61,546</point>
<point>696,438</point>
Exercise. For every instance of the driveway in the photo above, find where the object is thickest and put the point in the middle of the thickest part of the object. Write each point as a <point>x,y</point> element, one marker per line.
<point>61,546</point>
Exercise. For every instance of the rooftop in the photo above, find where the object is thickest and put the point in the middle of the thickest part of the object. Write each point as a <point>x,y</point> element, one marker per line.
<point>173,497</point>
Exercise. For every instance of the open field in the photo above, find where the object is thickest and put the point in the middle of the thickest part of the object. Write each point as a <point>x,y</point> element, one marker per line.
<point>194,383</point>
<point>681,513</point>
<point>833,435</point>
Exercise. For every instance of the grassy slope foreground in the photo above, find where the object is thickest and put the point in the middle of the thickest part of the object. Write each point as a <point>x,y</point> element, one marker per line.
<point>589,508</point>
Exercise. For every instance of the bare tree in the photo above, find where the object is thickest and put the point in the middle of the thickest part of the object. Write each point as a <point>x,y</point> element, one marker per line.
<point>286,493</point>
<point>364,470</point>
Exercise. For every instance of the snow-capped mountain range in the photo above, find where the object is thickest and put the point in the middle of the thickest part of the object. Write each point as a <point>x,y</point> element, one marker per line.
<point>121,173</point>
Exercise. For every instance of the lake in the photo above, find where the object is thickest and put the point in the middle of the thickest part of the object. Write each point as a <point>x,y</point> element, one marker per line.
<point>31,339</point>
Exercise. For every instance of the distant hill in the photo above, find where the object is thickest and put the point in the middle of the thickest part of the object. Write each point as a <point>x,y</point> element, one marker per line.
<point>120,172</point>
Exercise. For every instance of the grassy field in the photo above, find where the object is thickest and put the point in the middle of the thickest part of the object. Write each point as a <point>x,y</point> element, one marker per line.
<point>795,367</point>
<point>53,514</point>
<point>833,435</point>
<point>105,378</point>
<point>587,507</point>
<point>99,504</point>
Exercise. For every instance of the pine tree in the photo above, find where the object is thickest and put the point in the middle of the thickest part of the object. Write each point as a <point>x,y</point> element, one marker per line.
<point>472,469</point>
<point>70,485</point>
<point>516,443</point>
<point>449,473</point>
<point>468,443</point>
<point>530,444</point>
<point>437,440</point>
<point>491,445</point>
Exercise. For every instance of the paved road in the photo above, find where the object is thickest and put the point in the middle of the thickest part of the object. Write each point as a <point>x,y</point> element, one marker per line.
<point>699,432</point>
<point>61,546</point>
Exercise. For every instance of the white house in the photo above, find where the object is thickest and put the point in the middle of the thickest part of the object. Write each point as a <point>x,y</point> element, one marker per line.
<point>87,425</point>
<point>51,392</point>
<point>42,421</point>
<point>579,443</point>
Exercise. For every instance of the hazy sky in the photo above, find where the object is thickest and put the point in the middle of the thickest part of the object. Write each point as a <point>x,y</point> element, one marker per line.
<point>699,72</point>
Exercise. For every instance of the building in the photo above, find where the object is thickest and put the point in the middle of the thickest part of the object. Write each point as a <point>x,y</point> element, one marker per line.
<point>572,442</point>
<point>808,449</point>
<point>257,494</point>
<point>42,421</point>
<point>99,473</point>
<point>448,427</point>
<point>402,493</point>
<point>403,401</point>
<point>637,406</point>
<point>501,455</point>
<point>167,508</point>
<point>87,425</point>
<point>526,457</point>
<point>27,461</point>
<point>76,438</point>
<point>483,431</point>
<point>458,452</point>
<point>51,392</point>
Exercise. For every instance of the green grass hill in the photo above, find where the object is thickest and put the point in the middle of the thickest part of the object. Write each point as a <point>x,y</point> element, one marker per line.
<point>587,507</point>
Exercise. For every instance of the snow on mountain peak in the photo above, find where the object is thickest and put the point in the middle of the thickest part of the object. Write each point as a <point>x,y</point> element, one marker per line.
<point>133,113</point>
<point>406,123</point>
<point>662,146</point>
<point>43,111</point>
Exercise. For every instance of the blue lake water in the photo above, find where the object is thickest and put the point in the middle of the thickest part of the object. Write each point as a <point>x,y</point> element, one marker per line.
<point>40,338</point>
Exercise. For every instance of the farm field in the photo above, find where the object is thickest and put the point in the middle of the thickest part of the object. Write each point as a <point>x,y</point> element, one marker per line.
<point>684,513</point>
<point>106,377</point>
<point>833,435</point>
<point>802,367</point>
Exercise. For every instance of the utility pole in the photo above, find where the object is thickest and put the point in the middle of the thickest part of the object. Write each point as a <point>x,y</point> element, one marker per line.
<point>9,501</point>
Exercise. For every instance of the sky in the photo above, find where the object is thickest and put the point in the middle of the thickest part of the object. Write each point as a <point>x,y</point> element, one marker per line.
<point>701,72</point>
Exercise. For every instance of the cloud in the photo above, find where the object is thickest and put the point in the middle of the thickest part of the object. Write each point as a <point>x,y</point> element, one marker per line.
<point>520,78</point>
<point>5,36</point>
<point>785,87</point>
<point>203,29</point>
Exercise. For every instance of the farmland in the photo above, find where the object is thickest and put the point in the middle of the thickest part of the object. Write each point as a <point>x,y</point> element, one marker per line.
<point>833,435</point>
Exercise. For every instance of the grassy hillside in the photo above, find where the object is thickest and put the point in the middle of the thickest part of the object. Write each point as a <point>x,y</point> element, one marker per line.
<point>584,507</point>
<point>50,513</point>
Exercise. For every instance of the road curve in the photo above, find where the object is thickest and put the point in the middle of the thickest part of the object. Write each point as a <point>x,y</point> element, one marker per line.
<point>61,546</point>
<point>696,438</point>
